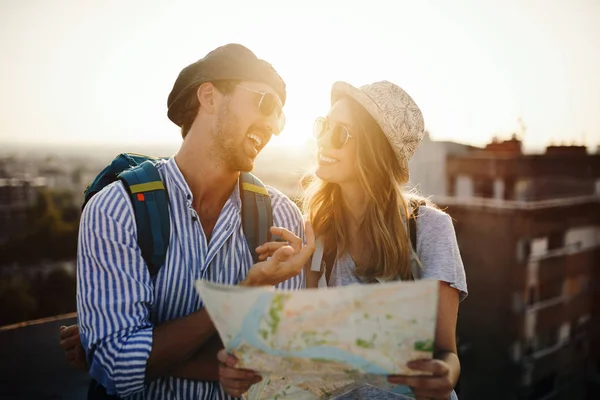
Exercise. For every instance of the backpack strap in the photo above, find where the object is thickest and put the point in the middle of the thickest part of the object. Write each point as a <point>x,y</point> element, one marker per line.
<point>257,212</point>
<point>412,226</point>
<point>328,261</point>
<point>151,207</point>
<point>416,266</point>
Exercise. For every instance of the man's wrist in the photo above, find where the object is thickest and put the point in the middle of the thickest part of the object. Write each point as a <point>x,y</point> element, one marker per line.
<point>254,278</point>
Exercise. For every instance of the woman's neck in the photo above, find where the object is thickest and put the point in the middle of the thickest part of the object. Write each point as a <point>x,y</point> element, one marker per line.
<point>354,201</point>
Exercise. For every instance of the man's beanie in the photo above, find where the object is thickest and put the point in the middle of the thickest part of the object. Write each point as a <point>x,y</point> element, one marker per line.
<point>229,62</point>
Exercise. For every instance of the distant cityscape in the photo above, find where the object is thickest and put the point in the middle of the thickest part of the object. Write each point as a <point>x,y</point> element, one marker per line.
<point>528,227</point>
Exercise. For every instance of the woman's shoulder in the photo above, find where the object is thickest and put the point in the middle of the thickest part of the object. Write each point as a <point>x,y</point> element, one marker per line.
<point>438,250</point>
<point>430,211</point>
<point>431,219</point>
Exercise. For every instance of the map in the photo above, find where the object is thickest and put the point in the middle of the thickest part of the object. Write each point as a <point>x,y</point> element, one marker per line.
<point>317,343</point>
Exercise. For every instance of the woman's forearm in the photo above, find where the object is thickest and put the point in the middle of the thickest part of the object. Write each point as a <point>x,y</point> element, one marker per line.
<point>453,362</point>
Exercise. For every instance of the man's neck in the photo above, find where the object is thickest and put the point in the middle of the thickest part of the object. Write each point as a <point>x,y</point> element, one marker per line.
<point>210,181</point>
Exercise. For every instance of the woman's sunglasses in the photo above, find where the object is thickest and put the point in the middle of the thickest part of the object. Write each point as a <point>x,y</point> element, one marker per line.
<point>339,133</point>
<point>268,104</point>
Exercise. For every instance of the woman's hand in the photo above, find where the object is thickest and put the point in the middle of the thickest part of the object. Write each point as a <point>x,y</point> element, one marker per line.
<point>445,368</point>
<point>437,386</point>
<point>235,381</point>
<point>285,260</point>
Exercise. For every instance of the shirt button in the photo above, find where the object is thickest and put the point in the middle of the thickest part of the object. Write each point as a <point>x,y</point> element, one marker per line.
<point>189,196</point>
<point>194,219</point>
<point>227,227</point>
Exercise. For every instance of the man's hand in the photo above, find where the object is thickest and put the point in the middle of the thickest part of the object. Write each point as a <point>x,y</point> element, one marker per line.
<point>285,261</point>
<point>71,345</point>
<point>235,381</point>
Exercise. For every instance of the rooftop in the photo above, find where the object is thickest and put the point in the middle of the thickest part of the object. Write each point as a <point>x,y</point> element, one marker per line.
<point>32,365</point>
<point>488,203</point>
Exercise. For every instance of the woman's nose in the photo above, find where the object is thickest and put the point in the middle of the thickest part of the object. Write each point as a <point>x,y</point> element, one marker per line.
<point>325,139</point>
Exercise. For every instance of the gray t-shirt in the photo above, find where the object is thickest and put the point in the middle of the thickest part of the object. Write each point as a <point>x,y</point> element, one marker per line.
<point>438,251</point>
<point>436,248</point>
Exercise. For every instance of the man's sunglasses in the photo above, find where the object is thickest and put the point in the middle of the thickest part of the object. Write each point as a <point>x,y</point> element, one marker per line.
<point>339,133</point>
<point>268,104</point>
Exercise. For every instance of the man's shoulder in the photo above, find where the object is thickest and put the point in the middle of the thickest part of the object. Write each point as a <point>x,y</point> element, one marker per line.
<point>276,193</point>
<point>279,198</point>
<point>283,205</point>
<point>111,200</point>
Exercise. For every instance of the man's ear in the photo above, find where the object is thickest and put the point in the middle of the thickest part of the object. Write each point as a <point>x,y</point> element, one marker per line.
<point>207,97</point>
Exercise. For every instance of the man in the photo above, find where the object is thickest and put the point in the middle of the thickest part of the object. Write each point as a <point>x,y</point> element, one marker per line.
<point>146,339</point>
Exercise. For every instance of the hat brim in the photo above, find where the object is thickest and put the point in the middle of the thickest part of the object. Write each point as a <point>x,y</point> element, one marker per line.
<point>342,89</point>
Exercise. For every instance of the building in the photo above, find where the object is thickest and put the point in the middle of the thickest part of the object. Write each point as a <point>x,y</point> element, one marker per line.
<point>16,197</point>
<point>428,165</point>
<point>528,227</point>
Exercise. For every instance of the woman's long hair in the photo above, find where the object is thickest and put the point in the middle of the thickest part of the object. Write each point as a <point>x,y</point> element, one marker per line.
<point>384,227</point>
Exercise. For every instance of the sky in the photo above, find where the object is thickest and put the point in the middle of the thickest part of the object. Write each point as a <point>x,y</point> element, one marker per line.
<point>99,71</point>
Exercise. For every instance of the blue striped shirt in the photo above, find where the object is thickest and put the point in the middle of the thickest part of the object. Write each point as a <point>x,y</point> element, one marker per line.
<point>117,302</point>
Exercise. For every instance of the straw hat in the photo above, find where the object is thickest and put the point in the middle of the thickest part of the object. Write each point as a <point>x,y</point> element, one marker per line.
<point>394,110</point>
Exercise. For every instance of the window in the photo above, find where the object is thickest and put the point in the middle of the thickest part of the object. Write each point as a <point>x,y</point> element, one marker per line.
<point>529,348</point>
<point>552,290</point>
<point>583,320</point>
<point>523,250</point>
<point>517,303</point>
<point>499,189</point>
<point>581,237</point>
<point>539,246</point>
<point>565,332</point>
<point>547,339</point>
<point>544,387</point>
<point>531,296</point>
<point>584,284</point>
<point>516,351</point>
<point>556,241</point>
<point>483,188</point>
<point>464,186</point>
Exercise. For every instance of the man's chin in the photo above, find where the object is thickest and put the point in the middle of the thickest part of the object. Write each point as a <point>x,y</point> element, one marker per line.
<point>242,162</point>
<point>245,166</point>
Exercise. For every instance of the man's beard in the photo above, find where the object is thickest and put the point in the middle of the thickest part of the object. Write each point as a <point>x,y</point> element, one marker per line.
<point>229,146</point>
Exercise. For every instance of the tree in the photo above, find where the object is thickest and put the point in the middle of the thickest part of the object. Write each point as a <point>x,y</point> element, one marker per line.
<point>16,302</point>
<point>51,233</point>
<point>55,293</point>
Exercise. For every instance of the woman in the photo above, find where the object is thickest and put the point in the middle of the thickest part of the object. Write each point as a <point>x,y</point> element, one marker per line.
<point>358,211</point>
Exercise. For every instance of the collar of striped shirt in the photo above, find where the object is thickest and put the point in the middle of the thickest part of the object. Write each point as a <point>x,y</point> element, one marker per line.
<point>173,173</point>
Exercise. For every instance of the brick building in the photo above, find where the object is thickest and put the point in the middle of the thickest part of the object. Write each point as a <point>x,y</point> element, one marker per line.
<point>528,228</point>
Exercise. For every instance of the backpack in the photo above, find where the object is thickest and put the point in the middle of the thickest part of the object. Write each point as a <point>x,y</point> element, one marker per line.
<point>150,201</point>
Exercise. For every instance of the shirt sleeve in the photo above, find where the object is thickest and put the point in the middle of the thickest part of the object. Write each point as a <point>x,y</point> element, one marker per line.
<point>438,250</point>
<point>114,293</point>
<point>286,214</point>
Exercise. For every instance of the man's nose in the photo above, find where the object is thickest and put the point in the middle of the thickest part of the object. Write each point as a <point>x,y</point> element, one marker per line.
<point>275,122</point>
